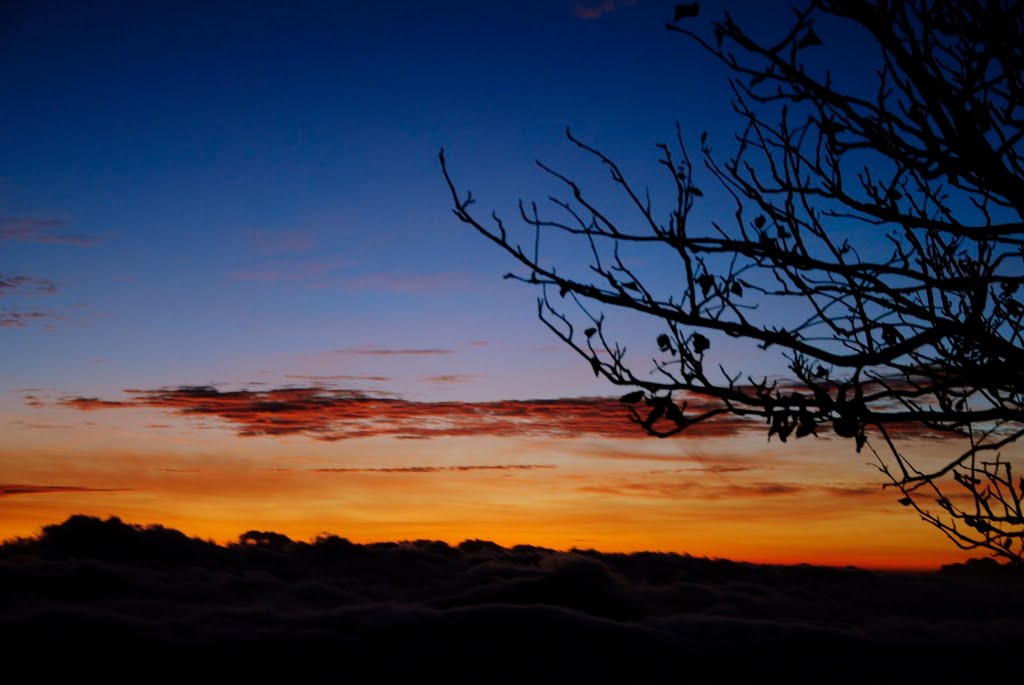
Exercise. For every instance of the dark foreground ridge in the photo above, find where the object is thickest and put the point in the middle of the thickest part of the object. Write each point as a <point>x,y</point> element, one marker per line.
<point>149,603</point>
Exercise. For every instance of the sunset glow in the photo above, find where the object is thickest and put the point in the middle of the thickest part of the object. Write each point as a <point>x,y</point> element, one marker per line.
<point>233,296</point>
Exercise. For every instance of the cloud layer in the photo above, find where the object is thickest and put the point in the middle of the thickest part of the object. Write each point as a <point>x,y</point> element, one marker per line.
<point>46,231</point>
<point>8,489</point>
<point>19,319</point>
<point>327,414</point>
<point>26,285</point>
<point>108,597</point>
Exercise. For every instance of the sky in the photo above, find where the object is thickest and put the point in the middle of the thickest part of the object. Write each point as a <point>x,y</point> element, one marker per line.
<point>233,294</point>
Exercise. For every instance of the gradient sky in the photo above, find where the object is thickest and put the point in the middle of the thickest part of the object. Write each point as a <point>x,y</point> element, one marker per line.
<point>234,296</point>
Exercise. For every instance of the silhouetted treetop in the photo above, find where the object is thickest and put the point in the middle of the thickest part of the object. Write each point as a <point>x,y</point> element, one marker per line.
<point>876,245</point>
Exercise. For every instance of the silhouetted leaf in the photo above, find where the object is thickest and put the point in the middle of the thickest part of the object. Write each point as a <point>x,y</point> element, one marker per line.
<point>759,221</point>
<point>906,501</point>
<point>510,275</point>
<point>860,438</point>
<point>631,285</point>
<point>686,10</point>
<point>806,427</point>
<point>674,413</point>
<point>736,289</point>
<point>695,191</point>
<point>563,291</point>
<point>664,343</point>
<point>846,426</point>
<point>891,334</point>
<point>703,137</point>
<point>590,332</point>
<point>596,365</point>
<point>810,39</point>
<point>978,524</point>
<point>656,413</point>
<point>706,282</point>
<point>700,343</point>
<point>632,397</point>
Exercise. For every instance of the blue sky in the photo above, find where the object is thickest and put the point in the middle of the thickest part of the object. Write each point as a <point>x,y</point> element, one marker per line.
<point>248,195</point>
<point>210,182</point>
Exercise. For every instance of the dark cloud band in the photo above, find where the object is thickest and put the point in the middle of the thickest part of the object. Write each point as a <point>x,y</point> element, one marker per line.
<point>328,414</point>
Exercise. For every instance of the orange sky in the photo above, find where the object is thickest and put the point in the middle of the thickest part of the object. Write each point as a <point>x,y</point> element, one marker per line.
<point>248,195</point>
<point>719,495</point>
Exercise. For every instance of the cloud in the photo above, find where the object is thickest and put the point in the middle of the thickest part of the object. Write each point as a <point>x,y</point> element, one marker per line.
<point>450,378</point>
<point>386,351</point>
<point>695,489</point>
<point>337,377</point>
<point>469,612</point>
<point>6,490</point>
<point>595,9</point>
<point>92,403</point>
<point>46,231</point>
<point>11,318</point>
<point>718,469</point>
<point>26,285</point>
<point>696,463</point>
<point>336,414</point>
<point>702,489</point>
<point>440,469</point>
<point>852,490</point>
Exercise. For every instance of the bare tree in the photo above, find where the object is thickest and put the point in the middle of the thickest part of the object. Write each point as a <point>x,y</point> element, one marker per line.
<point>887,217</point>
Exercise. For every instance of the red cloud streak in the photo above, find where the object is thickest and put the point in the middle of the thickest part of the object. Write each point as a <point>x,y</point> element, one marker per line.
<point>327,414</point>
<point>29,489</point>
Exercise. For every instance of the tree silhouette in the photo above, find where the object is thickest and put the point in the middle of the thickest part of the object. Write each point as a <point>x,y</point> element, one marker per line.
<point>877,245</point>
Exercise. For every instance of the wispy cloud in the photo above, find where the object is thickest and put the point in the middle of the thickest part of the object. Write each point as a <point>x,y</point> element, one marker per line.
<point>6,490</point>
<point>92,403</point>
<point>595,9</point>
<point>316,378</point>
<point>387,351</point>
<point>450,378</point>
<point>688,463</point>
<point>17,286</point>
<point>328,414</point>
<point>46,231</point>
<point>12,318</point>
<point>11,284</point>
<point>440,469</point>
<point>689,488</point>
